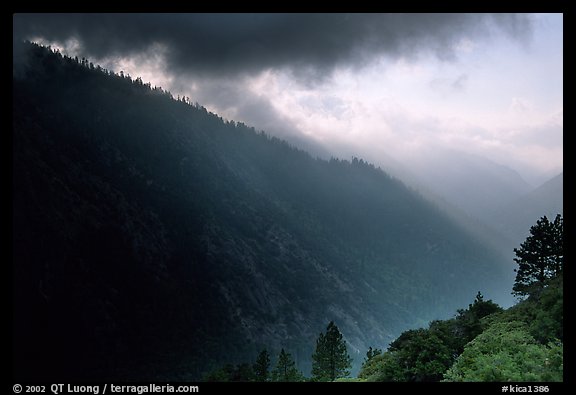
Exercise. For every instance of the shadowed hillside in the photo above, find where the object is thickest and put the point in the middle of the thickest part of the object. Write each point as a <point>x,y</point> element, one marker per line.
<point>154,240</point>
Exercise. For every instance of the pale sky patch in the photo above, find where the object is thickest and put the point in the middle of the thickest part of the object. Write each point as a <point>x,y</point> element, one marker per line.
<point>495,90</point>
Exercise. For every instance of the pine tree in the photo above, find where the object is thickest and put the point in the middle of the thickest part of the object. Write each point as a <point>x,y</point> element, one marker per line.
<point>262,366</point>
<point>285,370</point>
<point>330,360</point>
<point>540,257</point>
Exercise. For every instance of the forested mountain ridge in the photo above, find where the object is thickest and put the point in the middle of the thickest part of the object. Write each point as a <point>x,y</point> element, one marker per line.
<point>154,240</point>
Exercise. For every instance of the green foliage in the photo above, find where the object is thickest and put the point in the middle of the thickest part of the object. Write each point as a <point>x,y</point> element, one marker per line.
<point>243,372</point>
<point>540,257</point>
<point>507,352</point>
<point>223,374</point>
<point>426,354</point>
<point>542,314</point>
<point>384,367</point>
<point>371,353</point>
<point>262,366</point>
<point>285,370</point>
<point>349,380</point>
<point>548,321</point>
<point>484,342</point>
<point>330,359</point>
<point>452,333</point>
<point>423,354</point>
<point>417,355</point>
<point>469,321</point>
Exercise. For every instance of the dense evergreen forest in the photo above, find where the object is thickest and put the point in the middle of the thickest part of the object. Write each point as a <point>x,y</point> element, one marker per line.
<point>154,240</point>
<point>483,343</point>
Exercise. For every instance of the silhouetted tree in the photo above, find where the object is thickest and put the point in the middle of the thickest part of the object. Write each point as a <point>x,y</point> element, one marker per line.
<point>540,257</point>
<point>285,370</point>
<point>330,360</point>
<point>262,366</point>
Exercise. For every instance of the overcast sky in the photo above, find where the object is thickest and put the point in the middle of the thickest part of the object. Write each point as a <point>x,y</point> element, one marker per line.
<point>370,85</point>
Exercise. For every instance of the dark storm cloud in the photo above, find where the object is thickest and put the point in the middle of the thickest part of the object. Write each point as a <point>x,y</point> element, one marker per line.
<point>216,53</point>
<point>237,102</point>
<point>311,45</point>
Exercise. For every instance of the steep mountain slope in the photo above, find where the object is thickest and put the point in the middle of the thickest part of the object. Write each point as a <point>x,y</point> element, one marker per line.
<point>153,240</point>
<point>516,218</point>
